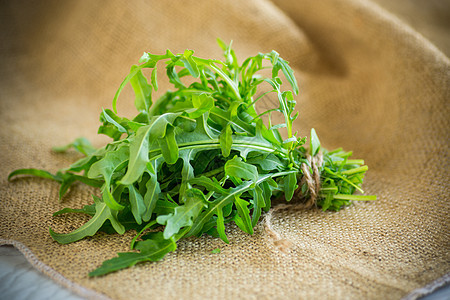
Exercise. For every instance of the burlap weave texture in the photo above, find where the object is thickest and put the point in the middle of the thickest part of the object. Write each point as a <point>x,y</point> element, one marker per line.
<point>368,83</point>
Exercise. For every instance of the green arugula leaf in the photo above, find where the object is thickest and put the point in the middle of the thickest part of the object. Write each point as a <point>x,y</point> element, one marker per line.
<point>154,79</point>
<point>267,161</point>
<point>139,146</point>
<point>168,145</point>
<point>209,184</point>
<point>102,213</point>
<point>258,204</point>
<point>87,209</point>
<point>81,144</point>
<point>108,116</point>
<point>106,167</point>
<point>202,103</point>
<point>243,218</point>
<point>221,225</point>
<point>137,204</point>
<point>67,179</point>
<point>152,249</point>
<point>189,63</point>
<point>184,214</point>
<point>290,185</point>
<point>152,192</point>
<point>226,141</point>
<point>142,90</point>
<point>34,172</point>
<point>314,143</point>
<point>239,169</point>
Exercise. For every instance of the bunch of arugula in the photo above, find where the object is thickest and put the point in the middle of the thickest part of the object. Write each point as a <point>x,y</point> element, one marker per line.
<point>198,158</point>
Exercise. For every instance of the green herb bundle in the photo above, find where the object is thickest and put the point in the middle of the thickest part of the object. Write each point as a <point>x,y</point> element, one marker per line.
<point>201,156</point>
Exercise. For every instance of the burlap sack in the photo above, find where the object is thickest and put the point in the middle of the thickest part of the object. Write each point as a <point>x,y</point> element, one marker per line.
<point>368,83</point>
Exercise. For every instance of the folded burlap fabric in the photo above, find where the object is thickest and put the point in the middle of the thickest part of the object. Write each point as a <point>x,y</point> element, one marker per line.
<point>368,83</point>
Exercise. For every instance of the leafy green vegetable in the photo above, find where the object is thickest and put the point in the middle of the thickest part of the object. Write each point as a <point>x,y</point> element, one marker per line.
<point>200,156</point>
<point>102,213</point>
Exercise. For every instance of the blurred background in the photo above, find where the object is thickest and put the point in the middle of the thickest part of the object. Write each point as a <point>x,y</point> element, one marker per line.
<point>429,17</point>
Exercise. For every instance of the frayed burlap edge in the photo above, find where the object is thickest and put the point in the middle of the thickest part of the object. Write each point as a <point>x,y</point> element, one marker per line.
<point>55,276</point>
<point>430,288</point>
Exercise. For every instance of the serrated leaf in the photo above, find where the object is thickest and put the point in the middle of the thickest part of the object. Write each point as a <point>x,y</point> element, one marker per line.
<point>202,103</point>
<point>81,144</point>
<point>109,116</point>
<point>289,74</point>
<point>290,185</point>
<point>209,184</point>
<point>142,90</point>
<point>87,209</point>
<point>187,172</point>
<point>102,213</point>
<point>67,179</point>
<point>152,249</point>
<point>106,167</point>
<point>239,169</point>
<point>189,63</point>
<point>109,199</point>
<point>226,141</point>
<point>164,207</point>
<point>222,201</point>
<point>243,221</point>
<point>217,204</point>
<point>137,204</point>
<point>258,204</point>
<point>34,172</point>
<point>153,190</point>
<point>183,214</point>
<point>221,225</point>
<point>139,146</point>
<point>168,146</point>
<point>109,164</point>
<point>267,162</point>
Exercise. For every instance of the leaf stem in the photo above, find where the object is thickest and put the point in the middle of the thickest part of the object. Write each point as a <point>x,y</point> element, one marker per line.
<point>253,102</point>
<point>133,241</point>
<point>227,79</point>
<point>213,172</point>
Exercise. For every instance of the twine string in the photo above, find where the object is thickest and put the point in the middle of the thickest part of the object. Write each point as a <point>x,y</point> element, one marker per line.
<point>313,182</point>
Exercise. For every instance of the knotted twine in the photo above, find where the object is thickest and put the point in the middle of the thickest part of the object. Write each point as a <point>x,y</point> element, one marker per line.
<point>310,177</point>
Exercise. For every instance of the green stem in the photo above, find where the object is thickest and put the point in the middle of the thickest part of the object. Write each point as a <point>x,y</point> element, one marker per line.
<point>355,197</point>
<point>213,172</point>
<point>215,144</point>
<point>356,170</point>
<point>150,224</point>
<point>253,102</point>
<point>343,178</point>
<point>227,79</point>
